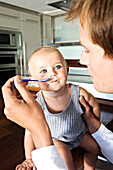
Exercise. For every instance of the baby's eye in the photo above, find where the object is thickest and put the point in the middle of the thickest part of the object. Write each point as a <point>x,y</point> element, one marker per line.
<point>58,67</point>
<point>44,71</point>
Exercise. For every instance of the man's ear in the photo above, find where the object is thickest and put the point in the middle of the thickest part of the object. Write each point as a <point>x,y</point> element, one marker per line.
<point>67,69</point>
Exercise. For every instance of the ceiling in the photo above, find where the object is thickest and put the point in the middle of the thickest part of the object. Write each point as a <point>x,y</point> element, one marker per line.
<point>35,5</point>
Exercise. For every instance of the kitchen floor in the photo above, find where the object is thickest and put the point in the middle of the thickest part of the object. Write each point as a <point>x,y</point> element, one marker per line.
<point>11,142</point>
<point>11,145</point>
<point>101,165</point>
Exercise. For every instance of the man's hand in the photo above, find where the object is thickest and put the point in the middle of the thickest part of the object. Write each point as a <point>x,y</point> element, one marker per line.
<point>26,112</point>
<point>20,110</point>
<point>91,122</point>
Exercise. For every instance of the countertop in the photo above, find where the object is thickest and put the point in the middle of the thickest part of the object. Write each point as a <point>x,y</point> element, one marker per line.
<point>89,87</point>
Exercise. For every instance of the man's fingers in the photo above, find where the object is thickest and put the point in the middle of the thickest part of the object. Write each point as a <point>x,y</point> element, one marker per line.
<point>86,108</point>
<point>6,89</point>
<point>26,95</point>
<point>9,95</point>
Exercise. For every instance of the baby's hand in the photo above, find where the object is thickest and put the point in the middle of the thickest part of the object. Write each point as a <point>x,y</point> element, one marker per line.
<point>26,165</point>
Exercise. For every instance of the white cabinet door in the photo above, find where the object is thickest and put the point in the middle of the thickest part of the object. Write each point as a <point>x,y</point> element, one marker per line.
<point>31,31</point>
<point>47,29</point>
<point>9,19</point>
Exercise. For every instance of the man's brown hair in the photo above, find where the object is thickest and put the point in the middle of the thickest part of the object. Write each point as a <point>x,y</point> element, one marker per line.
<point>98,14</point>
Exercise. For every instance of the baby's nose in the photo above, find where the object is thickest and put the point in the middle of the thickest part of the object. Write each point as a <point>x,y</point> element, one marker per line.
<point>52,74</point>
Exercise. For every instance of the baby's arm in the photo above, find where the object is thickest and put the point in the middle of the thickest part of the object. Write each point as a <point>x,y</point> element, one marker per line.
<point>91,101</point>
<point>29,147</point>
<point>28,144</point>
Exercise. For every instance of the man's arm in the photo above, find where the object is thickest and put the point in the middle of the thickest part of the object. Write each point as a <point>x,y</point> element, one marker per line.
<point>29,114</point>
<point>104,138</point>
<point>101,134</point>
<point>48,158</point>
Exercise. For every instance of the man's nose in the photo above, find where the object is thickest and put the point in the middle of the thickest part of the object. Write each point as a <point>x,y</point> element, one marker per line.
<point>84,60</point>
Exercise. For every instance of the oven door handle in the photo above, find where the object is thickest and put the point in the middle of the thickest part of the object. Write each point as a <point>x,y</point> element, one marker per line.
<point>7,69</point>
<point>8,52</point>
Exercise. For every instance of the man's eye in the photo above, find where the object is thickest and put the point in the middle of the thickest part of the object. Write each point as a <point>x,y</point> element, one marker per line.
<point>86,51</point>
<point>58,67</point>
<point>43,71</point>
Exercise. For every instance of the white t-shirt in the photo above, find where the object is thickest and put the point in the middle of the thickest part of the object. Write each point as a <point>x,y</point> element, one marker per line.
<point>48,158</point>
<point>104,138</point>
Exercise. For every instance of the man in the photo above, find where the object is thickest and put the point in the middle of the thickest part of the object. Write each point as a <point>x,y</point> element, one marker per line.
<point>96,36</point>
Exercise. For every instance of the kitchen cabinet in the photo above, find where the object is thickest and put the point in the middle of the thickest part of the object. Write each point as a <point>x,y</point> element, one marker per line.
<point>26,22</point>
<point>9,19</point>
<point>31,31</point>
<point>47,29</point>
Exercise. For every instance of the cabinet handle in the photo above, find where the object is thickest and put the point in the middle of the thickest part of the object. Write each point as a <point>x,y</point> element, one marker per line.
<point>45,30</point>
<point>32,21</point>
<point>24,57</point>
<point>9,28</point>
<point>10,16</point>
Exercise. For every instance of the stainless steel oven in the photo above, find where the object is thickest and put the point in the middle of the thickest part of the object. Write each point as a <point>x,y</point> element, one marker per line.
<point>6,73</point>
<point>8,58</point>
<point>10,39</point>
<point>11,55</point>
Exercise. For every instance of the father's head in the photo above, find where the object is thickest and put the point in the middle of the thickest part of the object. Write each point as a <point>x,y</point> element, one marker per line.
<point>96,36</point>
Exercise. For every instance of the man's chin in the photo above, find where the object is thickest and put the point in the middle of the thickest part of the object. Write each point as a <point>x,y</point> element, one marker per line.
<point>101,89</point>
<point>97,88</point>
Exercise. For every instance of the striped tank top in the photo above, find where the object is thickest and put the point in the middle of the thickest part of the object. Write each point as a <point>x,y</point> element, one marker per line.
<point>66,126</point>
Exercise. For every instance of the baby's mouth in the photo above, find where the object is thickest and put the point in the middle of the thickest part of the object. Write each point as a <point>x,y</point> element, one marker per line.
<point>54,81</point>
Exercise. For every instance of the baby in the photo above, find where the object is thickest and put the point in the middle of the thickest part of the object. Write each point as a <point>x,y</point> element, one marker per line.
<point>60,103</point>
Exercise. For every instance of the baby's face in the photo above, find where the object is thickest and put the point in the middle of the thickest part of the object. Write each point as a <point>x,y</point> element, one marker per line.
<point>48,65</point>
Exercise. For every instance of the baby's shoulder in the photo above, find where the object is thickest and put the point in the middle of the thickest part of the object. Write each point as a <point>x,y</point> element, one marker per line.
<point>85,93</point>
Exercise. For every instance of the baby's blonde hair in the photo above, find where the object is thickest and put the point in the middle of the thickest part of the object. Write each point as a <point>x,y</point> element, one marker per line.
<point>47,49</point>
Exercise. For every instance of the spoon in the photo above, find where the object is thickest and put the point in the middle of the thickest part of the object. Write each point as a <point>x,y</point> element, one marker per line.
<point>26,80</point>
